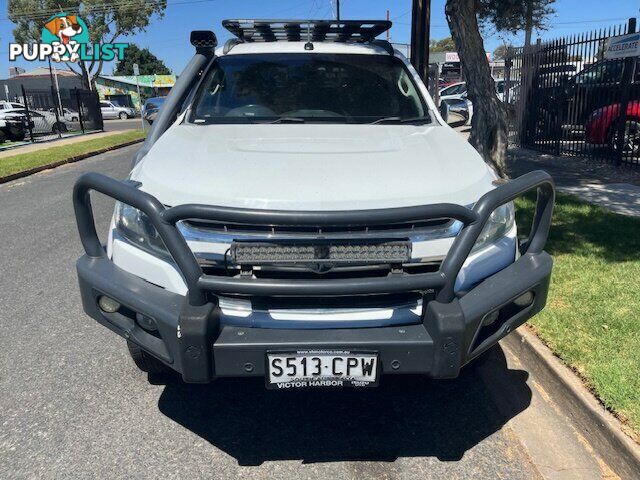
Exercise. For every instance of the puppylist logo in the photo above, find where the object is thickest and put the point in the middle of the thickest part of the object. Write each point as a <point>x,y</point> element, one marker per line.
<point>65,38</point>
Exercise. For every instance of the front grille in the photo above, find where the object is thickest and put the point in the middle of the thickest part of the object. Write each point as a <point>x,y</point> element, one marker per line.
<point>301,273</point>
<point>240,229</point>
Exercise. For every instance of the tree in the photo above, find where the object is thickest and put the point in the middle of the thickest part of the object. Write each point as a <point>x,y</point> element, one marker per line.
<point>149,64</point>
<point>501,51</point>
<point>444,45</point>
<point>106,22</point>
<point>515,16</point>
<point>488,125</point>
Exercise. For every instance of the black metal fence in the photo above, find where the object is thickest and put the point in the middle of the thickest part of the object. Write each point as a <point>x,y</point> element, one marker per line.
<point>565,98</point>
<point>38,115</point>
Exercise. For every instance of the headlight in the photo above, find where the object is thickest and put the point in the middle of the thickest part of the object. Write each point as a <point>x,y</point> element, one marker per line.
<point>499,224</point>
<point>135,226</point>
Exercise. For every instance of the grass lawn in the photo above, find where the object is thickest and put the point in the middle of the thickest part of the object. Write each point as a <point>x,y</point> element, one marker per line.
<point>592,319</point>
<point>25,161</point>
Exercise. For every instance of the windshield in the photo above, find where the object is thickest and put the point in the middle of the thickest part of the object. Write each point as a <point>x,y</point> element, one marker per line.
<point>328,88</point>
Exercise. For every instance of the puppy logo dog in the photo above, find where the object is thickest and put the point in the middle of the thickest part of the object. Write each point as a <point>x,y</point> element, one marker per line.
<point>66,28</point>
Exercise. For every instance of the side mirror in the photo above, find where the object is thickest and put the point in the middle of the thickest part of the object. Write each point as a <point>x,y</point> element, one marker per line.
<point>205,41</point>
<point>454,112</point>
<point>444,111</point>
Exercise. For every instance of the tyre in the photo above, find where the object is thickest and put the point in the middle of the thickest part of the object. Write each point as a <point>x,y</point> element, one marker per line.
<point>123,116</point>
<point>59,128</point>
<point>631,142</point>
<point>145,362</point>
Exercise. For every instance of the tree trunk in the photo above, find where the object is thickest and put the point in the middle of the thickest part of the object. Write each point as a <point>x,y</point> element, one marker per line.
<point>488,125</point>
<point>86,82</point>
<point>528,27</point>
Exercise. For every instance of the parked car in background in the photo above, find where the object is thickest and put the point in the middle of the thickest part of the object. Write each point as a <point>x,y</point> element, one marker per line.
<point>110,111</point>
<point>459,90</point>
<point>67,114</point>
<point>455,91</point>
<point>151,108</point>
<point>41,122</point>
<point>603,127</point>
<point>4,105</point>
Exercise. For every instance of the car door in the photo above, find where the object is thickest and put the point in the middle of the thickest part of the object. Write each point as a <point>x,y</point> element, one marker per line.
<point>108,110</point>
<point>39,122</point>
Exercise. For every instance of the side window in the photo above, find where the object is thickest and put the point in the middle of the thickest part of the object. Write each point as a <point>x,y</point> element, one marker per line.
<point>104,105</point>
<point>500,87</point>
<point>16,105</point>
<point>602,73</point>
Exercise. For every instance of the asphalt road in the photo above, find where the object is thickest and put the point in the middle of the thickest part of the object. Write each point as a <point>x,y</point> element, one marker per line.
<point>72,404</point>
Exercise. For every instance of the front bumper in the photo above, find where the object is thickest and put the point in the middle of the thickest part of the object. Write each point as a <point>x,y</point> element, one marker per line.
<point>192,341</point>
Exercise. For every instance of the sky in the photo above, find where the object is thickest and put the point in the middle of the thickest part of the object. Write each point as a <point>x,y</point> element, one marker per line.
<point>168,37</point>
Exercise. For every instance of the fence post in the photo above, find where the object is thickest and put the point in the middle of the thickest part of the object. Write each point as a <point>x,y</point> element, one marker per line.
<point>625,86</point>
<point>55,110</point>
<point>26,110</point>
<point>79,109</point>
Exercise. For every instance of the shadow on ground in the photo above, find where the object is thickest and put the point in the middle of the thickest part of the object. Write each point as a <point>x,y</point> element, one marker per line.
<point>406,416</point>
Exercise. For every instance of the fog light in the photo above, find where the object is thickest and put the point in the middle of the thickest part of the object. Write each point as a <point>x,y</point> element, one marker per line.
<point>108,305</point>
<point>524,300</point>
<point>489,318</point>
<point>146,322</point>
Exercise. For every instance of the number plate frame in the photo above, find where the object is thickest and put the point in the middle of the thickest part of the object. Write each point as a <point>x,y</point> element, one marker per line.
<point>323,381</point>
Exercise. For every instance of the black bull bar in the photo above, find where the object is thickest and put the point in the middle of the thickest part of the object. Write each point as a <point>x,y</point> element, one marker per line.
<point>198,331</point>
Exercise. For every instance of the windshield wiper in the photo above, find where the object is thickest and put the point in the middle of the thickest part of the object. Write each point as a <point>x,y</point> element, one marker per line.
<point>401,120</point>
<point>285,120</point>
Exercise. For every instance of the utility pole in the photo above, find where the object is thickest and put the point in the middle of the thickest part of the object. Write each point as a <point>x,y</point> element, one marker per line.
<point>420,26</point>
<point>338,10</point>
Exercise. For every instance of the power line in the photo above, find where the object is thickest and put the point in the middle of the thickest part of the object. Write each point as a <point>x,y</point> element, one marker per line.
<point>101,8</point>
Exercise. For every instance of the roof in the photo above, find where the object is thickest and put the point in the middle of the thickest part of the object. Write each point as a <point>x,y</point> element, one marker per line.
<point>45,72</point>
<point>299,47</point>
<point>158,81</point>
<point>306,30</point>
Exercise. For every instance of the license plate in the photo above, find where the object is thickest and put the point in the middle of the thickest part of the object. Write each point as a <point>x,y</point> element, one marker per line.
<point>321,368</point>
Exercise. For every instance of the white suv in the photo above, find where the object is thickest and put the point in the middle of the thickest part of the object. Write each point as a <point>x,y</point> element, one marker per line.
<point>110,110</point>
<point>301,212</point>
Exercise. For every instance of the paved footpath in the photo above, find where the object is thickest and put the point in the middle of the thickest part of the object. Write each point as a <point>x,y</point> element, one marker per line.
<point>72,404</point>
<point>614,188</point>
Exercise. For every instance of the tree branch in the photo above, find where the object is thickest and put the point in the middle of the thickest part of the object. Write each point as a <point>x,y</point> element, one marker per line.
<point>73,69</point>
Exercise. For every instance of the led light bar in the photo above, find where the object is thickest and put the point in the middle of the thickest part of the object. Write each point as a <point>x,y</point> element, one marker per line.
<point>250,253</point>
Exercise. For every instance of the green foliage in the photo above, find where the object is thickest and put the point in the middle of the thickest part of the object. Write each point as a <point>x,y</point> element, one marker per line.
<point>105,20</point>
<point>500,53</point>
<point>591,318</point>
<point>444,45</point>
<point>149,64</point>
<point>514,16</point>
<point>21,162</point>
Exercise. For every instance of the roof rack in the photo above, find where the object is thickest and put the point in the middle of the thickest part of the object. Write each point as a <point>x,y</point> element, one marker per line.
<point>357,31</point>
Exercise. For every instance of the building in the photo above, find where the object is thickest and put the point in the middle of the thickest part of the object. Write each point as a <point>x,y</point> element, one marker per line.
<point>38,85</point>
<point>123,90</point>
<point>41,84</point>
